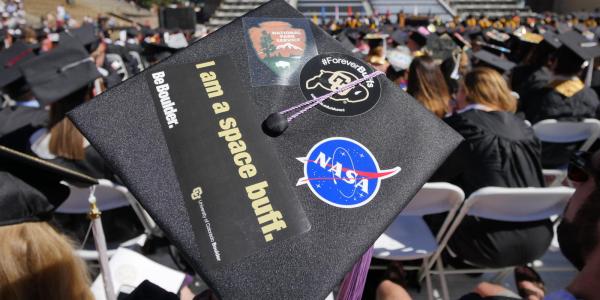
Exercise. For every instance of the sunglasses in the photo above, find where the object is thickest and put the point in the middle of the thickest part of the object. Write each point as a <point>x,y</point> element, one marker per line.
<point>580,167</point>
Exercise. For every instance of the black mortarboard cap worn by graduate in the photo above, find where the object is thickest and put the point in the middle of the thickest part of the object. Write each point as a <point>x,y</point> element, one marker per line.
<point>583,47</point>
<point>30,188</point>
<point>11,59</point>
<point>498,63</point>
<point>194,187</point>
<point>60,72</point>
<point>86,34</point>
<point>551,39</point>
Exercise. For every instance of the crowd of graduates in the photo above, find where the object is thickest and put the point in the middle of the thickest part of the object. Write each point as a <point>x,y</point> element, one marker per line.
<point>490,79</point>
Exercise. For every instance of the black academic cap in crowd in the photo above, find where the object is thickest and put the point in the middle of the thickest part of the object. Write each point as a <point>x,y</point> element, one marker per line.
<point>30,188</point>
<point>11,59</point>
<point>485,58</point>
<point>441,47</point>
<point>195,156</point>
<point>551,39</point>
<point>60,72</point>
<point>399,36</point>
<point>583,47</point>
<point>460,40</point>
<point>86,34</point>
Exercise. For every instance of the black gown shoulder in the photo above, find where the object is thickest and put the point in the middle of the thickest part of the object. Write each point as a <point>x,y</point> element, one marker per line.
<point>499,150</point>
<point>552,105</point>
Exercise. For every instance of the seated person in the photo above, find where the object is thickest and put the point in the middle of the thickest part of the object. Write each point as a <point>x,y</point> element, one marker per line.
<point>37,261</point>
<point>63,144</point>
<point>499,150</point>
<point>578,237</point>
<point>426,83</point>
<point>566,98</point>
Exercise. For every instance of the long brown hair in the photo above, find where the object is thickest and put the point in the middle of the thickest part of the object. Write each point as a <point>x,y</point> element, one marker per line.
<point>486,86</point>
<point>39,263</point>
<point>65,139</point>
<point>426,83</point>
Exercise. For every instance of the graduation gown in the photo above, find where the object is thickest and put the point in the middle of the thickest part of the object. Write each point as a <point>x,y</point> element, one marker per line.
<point>565,101</point>
<point>499,150</point>
<point>17,123</point>
<point>528,81</point>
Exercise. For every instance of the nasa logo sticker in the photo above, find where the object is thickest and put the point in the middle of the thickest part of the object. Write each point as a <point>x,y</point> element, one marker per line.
<point>342,172</point>
<point>326,72</point>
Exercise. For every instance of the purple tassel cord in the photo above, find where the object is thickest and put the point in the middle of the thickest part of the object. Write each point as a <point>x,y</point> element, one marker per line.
<point>354,282</point>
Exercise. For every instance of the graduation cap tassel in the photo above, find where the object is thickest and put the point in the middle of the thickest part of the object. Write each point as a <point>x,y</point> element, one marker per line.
<point>354,282</point>
<point>276,123</point>
<point>100,242</point>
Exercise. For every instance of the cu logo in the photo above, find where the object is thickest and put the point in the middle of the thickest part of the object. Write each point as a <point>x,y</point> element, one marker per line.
<point>343,173</point>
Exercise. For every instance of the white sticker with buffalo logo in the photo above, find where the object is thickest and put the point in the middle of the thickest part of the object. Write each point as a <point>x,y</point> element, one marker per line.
<point>326,72</point>
<point>342,172</point>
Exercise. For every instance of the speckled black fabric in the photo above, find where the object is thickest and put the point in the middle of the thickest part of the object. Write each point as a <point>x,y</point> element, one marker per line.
<point>123,126</point>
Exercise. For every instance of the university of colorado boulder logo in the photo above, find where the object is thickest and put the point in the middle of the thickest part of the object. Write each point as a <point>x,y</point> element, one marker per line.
<point>279,45</point>
<point>327,72</point>
<point>342,172</point>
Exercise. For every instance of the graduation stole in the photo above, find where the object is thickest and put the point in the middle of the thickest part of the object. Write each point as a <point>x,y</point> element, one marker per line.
<point>567,88</point>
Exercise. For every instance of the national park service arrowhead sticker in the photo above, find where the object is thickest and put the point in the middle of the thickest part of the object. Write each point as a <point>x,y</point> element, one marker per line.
<point>277,49</point>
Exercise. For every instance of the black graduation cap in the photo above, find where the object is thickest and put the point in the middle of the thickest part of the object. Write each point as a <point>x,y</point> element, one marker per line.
<point>30,188</point>
<point>221,195</point>
<point>584,48</point>
<point>419,36</point>
<point>551,39</point>
<point>86,34</point>
<point>60,72</point>
<point>441,47</point>
<point>490,60</point>
<point>399,36</point>
<point>11,59</point>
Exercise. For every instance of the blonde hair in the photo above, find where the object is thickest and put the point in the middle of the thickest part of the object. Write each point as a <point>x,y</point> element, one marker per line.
<point>486,86</point>
<point>39,263</point>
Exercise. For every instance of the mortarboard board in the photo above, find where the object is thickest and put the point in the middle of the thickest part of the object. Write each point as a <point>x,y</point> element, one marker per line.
<point>498,63</point>
<point>399,36</point>
<point>128,126</point>
<point>11,59</point>
<point>584,48</point>
<point>551,39</point>
<point>86,34</point>
<point>30,188</point>
<point>60,72</point>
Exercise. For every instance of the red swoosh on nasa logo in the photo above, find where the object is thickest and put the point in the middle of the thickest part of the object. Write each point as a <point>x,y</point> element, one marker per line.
<point>370,175</point>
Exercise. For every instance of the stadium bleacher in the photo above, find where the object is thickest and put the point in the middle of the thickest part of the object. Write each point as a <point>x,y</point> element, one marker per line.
<point>491,8</point>
<point>315,7</point>
<point>231,9</point>
<point>431,7</point>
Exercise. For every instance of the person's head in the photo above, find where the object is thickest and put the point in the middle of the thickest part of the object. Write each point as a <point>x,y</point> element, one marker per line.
<point>579,231</point>
<point>426,83</point>
<point>39,263</point>
<point>487,87</point>
<point>66,141</point>
<point>567,63</point>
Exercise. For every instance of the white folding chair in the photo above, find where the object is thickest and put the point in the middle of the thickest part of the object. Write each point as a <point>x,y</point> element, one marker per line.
<point>109,196</point>
<point>138,58</point>
<point>120,68</point>
<point>409,237</point>
<point>510,205</point>
<point>553,131</point>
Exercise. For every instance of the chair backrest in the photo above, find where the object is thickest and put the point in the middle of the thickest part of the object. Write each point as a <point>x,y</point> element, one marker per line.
<point>434,197</point>
<point>108,196</point>
<point>517,204</point>
<point>138,59</point>
<point>554,131</point>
